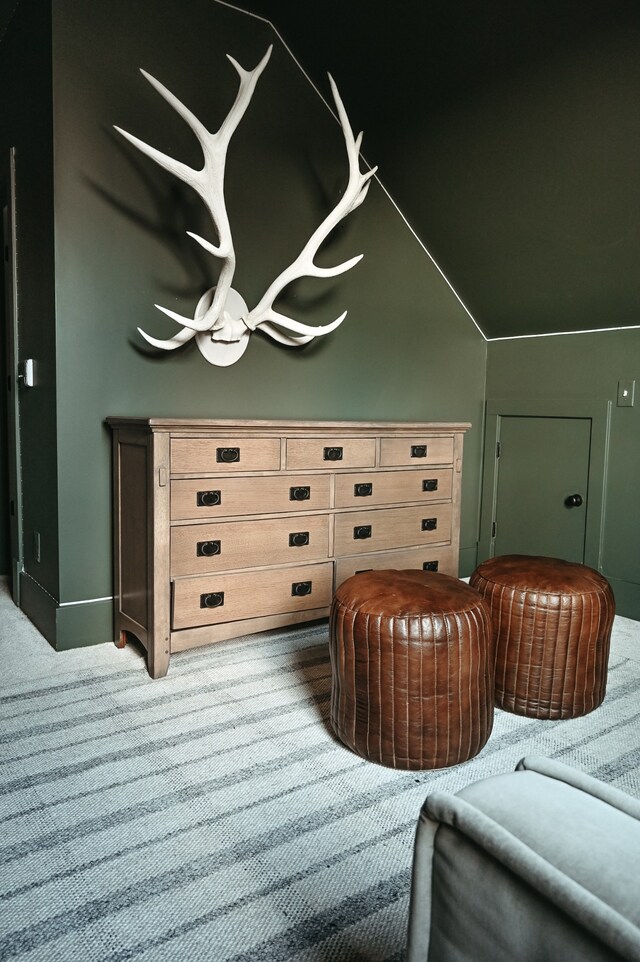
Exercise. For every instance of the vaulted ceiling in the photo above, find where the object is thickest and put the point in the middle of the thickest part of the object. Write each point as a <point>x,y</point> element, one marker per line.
<point>508,134</point>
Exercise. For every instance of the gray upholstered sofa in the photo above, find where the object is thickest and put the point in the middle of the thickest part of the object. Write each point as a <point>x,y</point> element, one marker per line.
<point>540,864</point>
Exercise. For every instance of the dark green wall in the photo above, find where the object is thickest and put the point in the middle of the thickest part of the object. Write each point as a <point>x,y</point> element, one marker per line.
<point>407,349</point>
<point>26,124</point>
<point>578,367</point>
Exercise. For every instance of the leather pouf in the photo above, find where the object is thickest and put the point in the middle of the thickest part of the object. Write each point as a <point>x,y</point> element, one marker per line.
<point>552,622</point>
<point>412,664</point>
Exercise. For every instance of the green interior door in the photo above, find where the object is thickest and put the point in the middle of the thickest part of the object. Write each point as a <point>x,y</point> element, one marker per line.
<point>541,491</point>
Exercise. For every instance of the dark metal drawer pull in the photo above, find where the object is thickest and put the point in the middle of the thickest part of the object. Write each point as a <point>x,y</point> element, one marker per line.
<point>213,599</point>
<point>430,484</point>
<point>429,524</point>
<point>362,571</point>
<point>430,566</point>
<point>298,539</point>
<point>208,549</point>
<point>208,499</point>
<point>299,494</point>
<point>299,588</point>
<point>363,490</point>
<point>227,455</point>
<point>418,450</point>
<point>362,531</point>
<point>333,454</point>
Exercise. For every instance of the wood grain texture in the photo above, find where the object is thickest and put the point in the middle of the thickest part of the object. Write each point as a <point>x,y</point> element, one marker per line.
<point>267,590</point>
<point>391,528</point>
<point>310,452</point>
<point>248,544</point>
<point>393,487</point>
<point>159,651</point>
<point>399,559</point>
<point>397,451</point>
<point>133,531</point>
<point>238,535</point>
<point>200,455</point>
<point>249,496</point>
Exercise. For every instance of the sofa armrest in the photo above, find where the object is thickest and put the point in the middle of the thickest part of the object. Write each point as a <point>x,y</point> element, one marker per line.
<point>525,865</point>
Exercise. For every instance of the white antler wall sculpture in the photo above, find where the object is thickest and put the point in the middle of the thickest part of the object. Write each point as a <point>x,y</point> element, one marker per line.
<point>222,322</point>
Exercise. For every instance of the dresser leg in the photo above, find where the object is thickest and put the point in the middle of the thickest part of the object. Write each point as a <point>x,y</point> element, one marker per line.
<point>158,656</point>
<point>121,640</point>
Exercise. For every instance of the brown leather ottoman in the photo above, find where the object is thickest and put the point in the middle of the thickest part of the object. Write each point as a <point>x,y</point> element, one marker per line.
<point>552,622</point>
<point>412,662</point>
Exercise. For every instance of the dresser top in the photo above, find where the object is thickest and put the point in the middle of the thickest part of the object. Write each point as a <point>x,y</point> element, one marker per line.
<point>207,425</point>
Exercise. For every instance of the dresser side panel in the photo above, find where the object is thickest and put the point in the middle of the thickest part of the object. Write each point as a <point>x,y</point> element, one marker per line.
<point>133,536</point>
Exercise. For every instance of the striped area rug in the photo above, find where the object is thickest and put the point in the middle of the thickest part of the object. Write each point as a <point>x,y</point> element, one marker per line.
<point>212,815</point>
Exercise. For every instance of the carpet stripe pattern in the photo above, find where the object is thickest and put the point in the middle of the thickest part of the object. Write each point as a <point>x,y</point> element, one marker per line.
<point>212,815</point>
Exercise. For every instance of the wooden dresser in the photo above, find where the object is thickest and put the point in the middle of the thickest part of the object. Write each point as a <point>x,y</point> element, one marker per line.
<point>223,528</point>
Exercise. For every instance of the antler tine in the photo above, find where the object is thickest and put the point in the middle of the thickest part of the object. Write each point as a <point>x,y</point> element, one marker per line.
<point>175,167</point>
<point>248,81</point>
<point>171,343</point>
<point>185,173</point>
<point>187,333</point>
<point>209,184</point>
<point>215,153</point>
<point>353,146</point>
<point>291,340</point>
<point>187,115</point>
<point>355,192</point>
<point>297,327</point>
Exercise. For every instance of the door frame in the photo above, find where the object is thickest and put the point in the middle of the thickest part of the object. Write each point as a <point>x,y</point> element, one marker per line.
<point>10,333</point>
<point>598,411</point>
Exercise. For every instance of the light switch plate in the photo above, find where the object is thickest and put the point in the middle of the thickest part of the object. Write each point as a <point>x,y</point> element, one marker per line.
<point>26,373</point>
<point>626,392</point>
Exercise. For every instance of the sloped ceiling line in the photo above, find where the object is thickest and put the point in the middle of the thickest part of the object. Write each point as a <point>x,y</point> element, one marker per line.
<point>510,135</point>
<point>376,177</point>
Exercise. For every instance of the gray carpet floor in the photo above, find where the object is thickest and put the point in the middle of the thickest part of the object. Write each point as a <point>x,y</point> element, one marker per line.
<point>212,815</point>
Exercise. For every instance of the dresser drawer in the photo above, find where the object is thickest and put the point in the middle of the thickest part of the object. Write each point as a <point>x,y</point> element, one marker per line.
<point>415,451</point>
<point>369,488</point>
<point>224,455</point>
<point>426,558</point>
<point>193,498</point>
<point>223,545</point>
<point>360,532</point>
<point>330,453</point>
<point>218,598</point>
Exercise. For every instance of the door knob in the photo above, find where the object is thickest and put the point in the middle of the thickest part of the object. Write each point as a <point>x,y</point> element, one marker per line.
<point>573,501</point>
